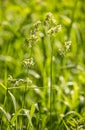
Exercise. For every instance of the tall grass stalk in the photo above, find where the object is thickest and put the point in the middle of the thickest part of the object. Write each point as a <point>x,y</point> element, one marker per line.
<point>6,91</point>
<point>51,81</point>
<point>72,18</point>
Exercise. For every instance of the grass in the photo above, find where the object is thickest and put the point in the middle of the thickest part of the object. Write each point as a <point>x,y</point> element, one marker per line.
<point>41,73</point>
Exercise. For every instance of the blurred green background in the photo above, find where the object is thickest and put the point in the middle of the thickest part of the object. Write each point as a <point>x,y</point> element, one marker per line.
<point>16,19</point>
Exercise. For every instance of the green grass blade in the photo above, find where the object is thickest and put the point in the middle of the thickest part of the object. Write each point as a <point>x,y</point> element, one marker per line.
<point>28,116</point>
<point>13,100</point>
<point>18,113</point>
<point>2,85</point>
<point>32,110</point>
<point>7,115</point>
<point>15,116</point>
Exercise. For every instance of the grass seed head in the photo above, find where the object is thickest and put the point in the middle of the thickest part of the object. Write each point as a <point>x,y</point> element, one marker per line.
<point>67,45</point>
<point>54,29</point>
<point>29,62</point>
<point>49,19</point>
<point>37,24</point>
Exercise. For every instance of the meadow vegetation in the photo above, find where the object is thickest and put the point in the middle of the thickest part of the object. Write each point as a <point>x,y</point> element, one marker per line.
<point>42,65</point>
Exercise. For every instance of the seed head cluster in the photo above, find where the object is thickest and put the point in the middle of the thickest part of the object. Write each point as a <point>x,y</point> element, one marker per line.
<point>50,19</point>
<point>67,45</point>
<point>18,82</point>
<point>29,62</point>
<point>54,29</point>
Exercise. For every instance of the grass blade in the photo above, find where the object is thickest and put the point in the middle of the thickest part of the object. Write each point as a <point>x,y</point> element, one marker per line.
<point>7,115</point>
<point>13,100</point>
<point>2,85</point>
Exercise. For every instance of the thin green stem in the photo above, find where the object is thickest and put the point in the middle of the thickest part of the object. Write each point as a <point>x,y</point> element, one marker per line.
<point>16,124</point>
<point>51,82</point>
<point>24,93</point>
<point>72,17</point>
<point>5,98</point>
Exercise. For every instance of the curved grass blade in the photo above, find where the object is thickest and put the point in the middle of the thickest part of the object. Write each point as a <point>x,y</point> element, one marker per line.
<point>28,116</point>
<point>72,112</point>
<point>13,100</point>
<point>67,128</point>
<point>32,110</point>
<point>18,113</point>
<point>3,86</point>
<point>7,115</point>
<point>15,116</point>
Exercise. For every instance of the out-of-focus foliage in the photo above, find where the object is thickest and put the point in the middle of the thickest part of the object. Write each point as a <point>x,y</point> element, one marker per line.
<point>24,103</point>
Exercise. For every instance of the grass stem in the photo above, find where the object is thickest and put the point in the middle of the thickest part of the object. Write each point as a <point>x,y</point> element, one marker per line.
<point>51,83</point>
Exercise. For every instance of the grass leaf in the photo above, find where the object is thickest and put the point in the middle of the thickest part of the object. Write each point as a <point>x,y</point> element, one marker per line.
<point>2,85</point>
<point>13,100</point>
<point>32,110</point>
<point>7,115</point>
